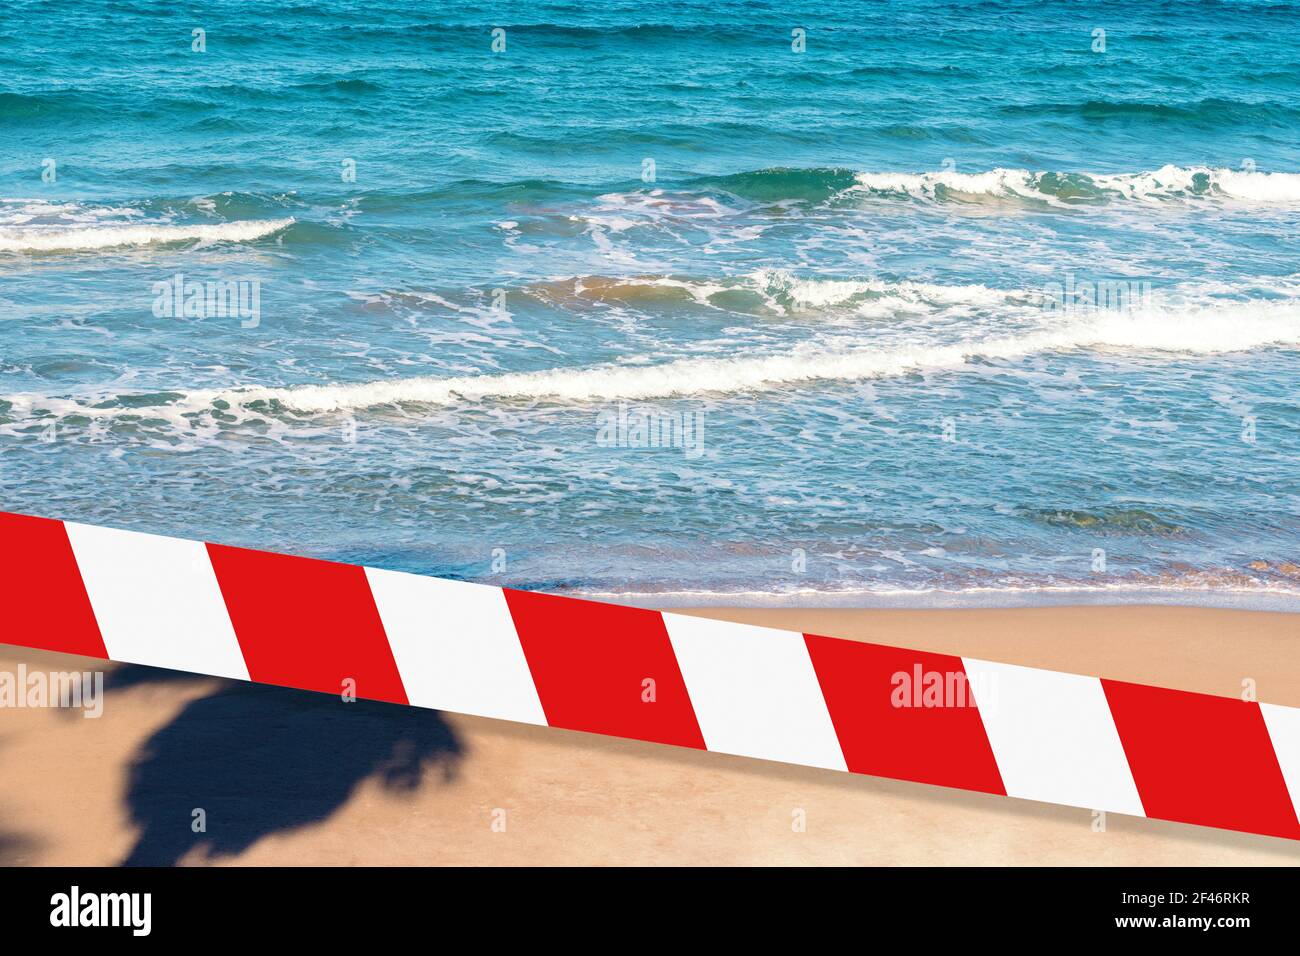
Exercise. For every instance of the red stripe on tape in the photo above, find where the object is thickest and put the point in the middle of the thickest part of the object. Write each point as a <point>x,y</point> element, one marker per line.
<point>306,623</point>
<point>1202,759</point>
<point>43,601</point>
<point>590,662</point>
<point>900,713</point>
<point>906,714</point>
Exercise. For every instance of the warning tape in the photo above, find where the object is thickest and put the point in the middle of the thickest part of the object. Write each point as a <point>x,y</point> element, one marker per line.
<point>647,675</point>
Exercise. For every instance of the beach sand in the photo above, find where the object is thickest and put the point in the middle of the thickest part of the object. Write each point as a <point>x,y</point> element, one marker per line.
<point>288,777</point>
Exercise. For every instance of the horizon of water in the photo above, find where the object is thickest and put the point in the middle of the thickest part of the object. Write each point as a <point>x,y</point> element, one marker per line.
<point>851,272</point>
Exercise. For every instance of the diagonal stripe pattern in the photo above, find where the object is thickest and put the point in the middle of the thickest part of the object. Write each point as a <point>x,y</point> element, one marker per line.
<point>645,675</point>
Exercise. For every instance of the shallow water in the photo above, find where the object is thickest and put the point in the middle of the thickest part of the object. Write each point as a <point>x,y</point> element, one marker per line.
<point>852,283</point>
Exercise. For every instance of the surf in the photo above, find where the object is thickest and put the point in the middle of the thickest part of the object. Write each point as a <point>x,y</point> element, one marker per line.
<point>1054,188</point>
<point>89,238</point>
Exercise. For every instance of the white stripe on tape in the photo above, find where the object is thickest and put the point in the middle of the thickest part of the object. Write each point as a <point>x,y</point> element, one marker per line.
<point>157,601</point>
<point>754,691</point>
<point>1283,725</point>
<point>455,646</point>
<point>1053,737</point>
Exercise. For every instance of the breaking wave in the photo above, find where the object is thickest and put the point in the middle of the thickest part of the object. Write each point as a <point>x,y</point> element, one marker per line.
<point>1232,329</point>
<point>775,290</point>
<point>1200,330</point>
<point>117,235</point>
<point>1058,189</point>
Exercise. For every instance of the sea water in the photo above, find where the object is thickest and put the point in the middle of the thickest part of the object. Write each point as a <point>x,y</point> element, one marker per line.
<point>836,301</point>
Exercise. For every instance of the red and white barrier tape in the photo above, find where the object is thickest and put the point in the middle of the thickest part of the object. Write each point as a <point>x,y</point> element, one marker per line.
<point>667,678</point>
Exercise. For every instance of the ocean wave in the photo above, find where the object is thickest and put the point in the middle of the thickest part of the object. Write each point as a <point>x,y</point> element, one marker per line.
<point>1199,330</point>
<point>1233,329</point>
<point>1104,520</point>
<point>115,235</point>
<point>1063,189</point>
<point>781,184</point>
<point>786,292</point>
<point>1211,111</point>
<point>52,106</point>
<point>695,201</point>
<point>41,212</point>
<point>619,205</point>
<point>73,104</point>
<point>713,196</point>
<point>772,291</point>
<point>1176,181</point>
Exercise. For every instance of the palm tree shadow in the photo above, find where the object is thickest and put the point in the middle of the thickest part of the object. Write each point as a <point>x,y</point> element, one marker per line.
<point>258,760</point>
<point>14,848</point>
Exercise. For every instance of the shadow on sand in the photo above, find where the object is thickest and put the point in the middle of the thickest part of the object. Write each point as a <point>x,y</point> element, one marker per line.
<point>14,848</point>
<point>258,760</point>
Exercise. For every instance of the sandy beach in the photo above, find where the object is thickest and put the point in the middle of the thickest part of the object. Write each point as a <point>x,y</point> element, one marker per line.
<point>288,777</point>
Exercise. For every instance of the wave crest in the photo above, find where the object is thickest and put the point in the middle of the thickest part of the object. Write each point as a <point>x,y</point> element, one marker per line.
<point>1054,188</point>
<point>1200,331</point>
<point>40,239</point>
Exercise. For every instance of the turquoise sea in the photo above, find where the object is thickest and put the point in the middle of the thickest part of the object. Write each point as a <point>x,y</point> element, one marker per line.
<point>924,302</point>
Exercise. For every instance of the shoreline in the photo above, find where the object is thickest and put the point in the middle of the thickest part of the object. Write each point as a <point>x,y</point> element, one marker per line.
<point>1252,599</point>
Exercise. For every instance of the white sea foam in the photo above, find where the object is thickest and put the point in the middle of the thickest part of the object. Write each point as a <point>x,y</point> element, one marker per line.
<point>777,285</point>
<point>1163,184</point>
<point>1207,330</point>
<point>41,212</point>
<point>619,211</point>
<point>1193,328</point>
<point>108,236</point>
<point>995,182</point>
<point>1175,181</point>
